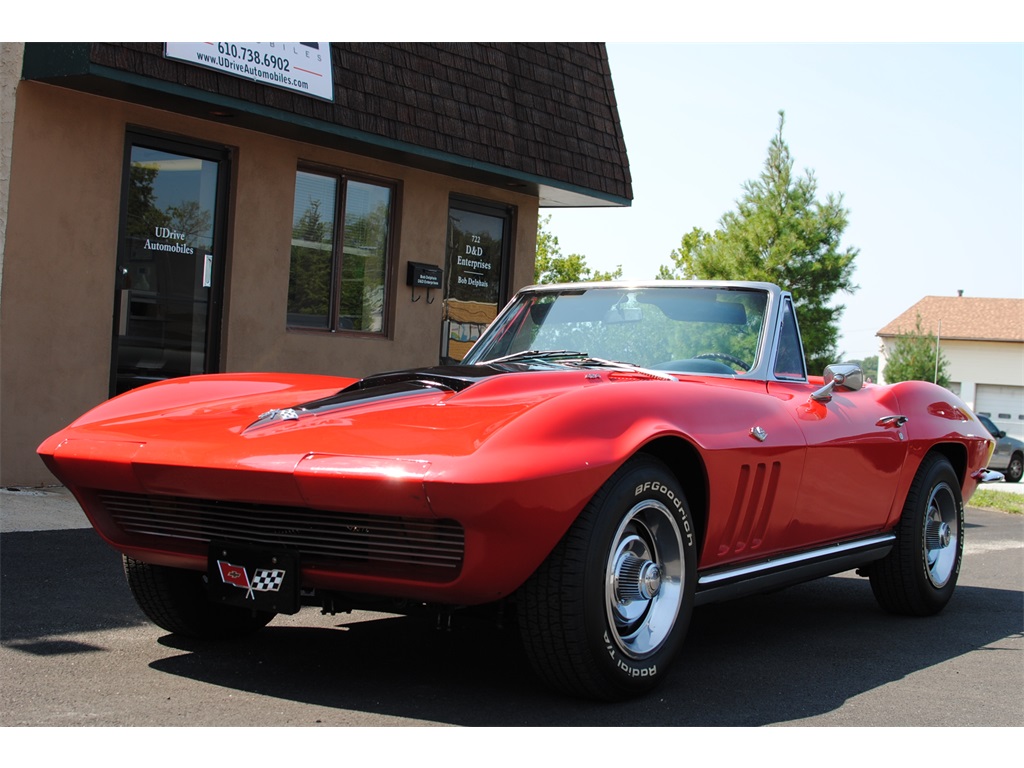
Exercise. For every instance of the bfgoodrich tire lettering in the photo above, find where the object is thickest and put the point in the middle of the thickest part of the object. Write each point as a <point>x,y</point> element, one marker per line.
<point>919,575</point>
<point>175,599</point>
<point>607,611</point>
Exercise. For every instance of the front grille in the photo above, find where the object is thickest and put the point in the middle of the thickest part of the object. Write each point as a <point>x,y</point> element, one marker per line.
<point>330,539</point>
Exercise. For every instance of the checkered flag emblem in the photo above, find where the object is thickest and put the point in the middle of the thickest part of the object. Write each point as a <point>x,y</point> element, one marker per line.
<point>267,580</point>
<point>263,579</point>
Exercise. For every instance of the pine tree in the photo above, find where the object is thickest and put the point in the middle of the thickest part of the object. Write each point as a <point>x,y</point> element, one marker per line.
<point>780,233</point>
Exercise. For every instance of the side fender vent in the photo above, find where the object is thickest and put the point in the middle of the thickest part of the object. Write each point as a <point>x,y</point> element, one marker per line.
<point>751,509</point>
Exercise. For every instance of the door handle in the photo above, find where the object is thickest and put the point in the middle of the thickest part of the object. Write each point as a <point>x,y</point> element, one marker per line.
<point>892,421</point>
<point>208,270</point>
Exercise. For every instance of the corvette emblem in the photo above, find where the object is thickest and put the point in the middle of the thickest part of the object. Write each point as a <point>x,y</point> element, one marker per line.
<point>263,579</point>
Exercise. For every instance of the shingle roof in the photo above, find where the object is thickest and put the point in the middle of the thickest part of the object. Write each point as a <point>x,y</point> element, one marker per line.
<point>542,111</point>
<point>966,318</point>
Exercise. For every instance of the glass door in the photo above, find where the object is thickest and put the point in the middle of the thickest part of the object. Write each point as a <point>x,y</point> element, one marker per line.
<point>474,275</point>
<point>170,263</point>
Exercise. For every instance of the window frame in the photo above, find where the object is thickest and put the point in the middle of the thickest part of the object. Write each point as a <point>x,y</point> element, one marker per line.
<point>788,310</point>
<point>342,178</point>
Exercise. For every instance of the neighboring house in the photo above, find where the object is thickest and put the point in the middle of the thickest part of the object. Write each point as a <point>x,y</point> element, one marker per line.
<point>174,209</point>
<point>983,343</point>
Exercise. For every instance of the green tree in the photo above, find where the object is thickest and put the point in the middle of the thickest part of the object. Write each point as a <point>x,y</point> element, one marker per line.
<point>870,367</point>
<point>362,267</point>
<point>144,215</point>
<point>191,219</point>
<point>309,278</point>
<point>780,233</point>
<point>917,356</point>
<point>551,266</point>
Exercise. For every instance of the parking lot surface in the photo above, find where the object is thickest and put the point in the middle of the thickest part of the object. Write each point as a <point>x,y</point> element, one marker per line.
<point>76,651</point>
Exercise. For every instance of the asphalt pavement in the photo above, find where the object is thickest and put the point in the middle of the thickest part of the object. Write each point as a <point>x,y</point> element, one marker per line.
<point>75,650</point>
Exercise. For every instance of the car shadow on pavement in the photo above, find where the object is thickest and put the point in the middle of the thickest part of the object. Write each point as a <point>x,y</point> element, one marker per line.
<point>774,658</point>
<point>54,583</point>
<point>763,660</point>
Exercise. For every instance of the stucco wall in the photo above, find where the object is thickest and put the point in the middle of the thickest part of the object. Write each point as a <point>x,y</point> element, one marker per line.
<point>60,259</point>
<point>256,338</point>
<point>10,71</point>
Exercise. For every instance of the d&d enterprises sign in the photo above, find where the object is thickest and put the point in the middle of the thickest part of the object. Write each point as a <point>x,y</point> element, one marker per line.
<point>301,67</point>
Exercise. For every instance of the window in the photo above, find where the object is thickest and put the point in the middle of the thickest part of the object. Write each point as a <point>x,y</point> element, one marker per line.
<point>789,359</point>
<point>340,253</point>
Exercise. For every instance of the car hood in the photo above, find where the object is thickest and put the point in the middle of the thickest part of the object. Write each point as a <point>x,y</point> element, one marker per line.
<point>181,436</point>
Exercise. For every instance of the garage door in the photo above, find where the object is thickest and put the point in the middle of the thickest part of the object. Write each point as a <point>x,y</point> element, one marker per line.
<point>1004,405</point>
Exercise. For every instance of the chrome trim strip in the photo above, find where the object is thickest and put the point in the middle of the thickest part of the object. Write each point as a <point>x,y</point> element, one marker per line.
<point>789,560</point>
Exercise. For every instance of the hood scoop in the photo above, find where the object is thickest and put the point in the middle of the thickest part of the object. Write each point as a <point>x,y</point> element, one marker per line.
<point>380,388</point>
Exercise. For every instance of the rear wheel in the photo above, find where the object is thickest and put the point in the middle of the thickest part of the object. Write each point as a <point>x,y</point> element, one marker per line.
<point>607,611</point>
<point>175,599</point>
<point>919,575</point>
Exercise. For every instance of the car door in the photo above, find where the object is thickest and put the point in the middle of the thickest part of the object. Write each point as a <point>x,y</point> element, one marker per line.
<point>856,447</point>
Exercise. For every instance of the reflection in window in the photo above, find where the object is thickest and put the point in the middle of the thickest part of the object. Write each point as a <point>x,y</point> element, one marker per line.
<point>339,254</point>
<point>789,360</point>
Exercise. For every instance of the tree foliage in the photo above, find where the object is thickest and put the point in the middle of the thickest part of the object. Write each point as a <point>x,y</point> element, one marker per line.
<point>917,356</point>
<point>551,266</point>
<point>144,215</point>
<point>190,219</point>
<point>309,278</point>
<point>780,233</point>
<point>870,367</point>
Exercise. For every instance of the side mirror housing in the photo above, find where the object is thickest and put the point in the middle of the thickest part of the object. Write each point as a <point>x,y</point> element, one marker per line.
<point>845,376</point>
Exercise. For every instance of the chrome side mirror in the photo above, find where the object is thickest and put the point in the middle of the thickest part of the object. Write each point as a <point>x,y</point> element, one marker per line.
<point>843,375</point>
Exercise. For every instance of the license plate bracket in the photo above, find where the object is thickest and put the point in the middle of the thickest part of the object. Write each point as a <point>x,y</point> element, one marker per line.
<point>253,577</point>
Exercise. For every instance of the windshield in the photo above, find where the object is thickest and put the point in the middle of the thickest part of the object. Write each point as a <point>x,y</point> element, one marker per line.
<point>696,330</point>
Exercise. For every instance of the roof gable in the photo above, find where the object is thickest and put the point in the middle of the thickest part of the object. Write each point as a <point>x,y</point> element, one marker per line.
<point>969,319</point>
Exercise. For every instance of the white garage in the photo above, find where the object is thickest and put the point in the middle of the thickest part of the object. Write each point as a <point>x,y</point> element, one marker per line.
<point>1003,404</point>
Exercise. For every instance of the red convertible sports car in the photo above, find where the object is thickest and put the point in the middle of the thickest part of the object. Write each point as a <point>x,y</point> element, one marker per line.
<point>607,457</point>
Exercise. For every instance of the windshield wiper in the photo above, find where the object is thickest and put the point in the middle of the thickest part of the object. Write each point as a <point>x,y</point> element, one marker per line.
<point>598,362</point>
<point>566,356</point>
<point>538,354</point>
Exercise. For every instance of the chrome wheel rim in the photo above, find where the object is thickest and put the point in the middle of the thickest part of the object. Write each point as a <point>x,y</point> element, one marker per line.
<point>644,584</point>
<point>941,535</point>
<point>1015,468</point>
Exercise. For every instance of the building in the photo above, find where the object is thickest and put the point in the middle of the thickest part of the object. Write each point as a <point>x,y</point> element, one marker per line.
<point>174,209</point>
<point>983,343</point>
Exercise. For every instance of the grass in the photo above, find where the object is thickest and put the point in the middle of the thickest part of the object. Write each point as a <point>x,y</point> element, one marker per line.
<point>1002,502</point>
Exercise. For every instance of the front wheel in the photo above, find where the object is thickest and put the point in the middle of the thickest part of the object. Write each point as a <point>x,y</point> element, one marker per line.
<point>607,611</point>
<point>919,575</point>
<point>175,599</point>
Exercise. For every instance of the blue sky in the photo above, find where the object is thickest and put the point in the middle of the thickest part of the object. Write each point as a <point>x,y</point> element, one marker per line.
<point>924,141</point>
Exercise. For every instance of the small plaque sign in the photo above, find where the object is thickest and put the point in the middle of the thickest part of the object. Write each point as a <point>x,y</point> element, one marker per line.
<point>424,275</point>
